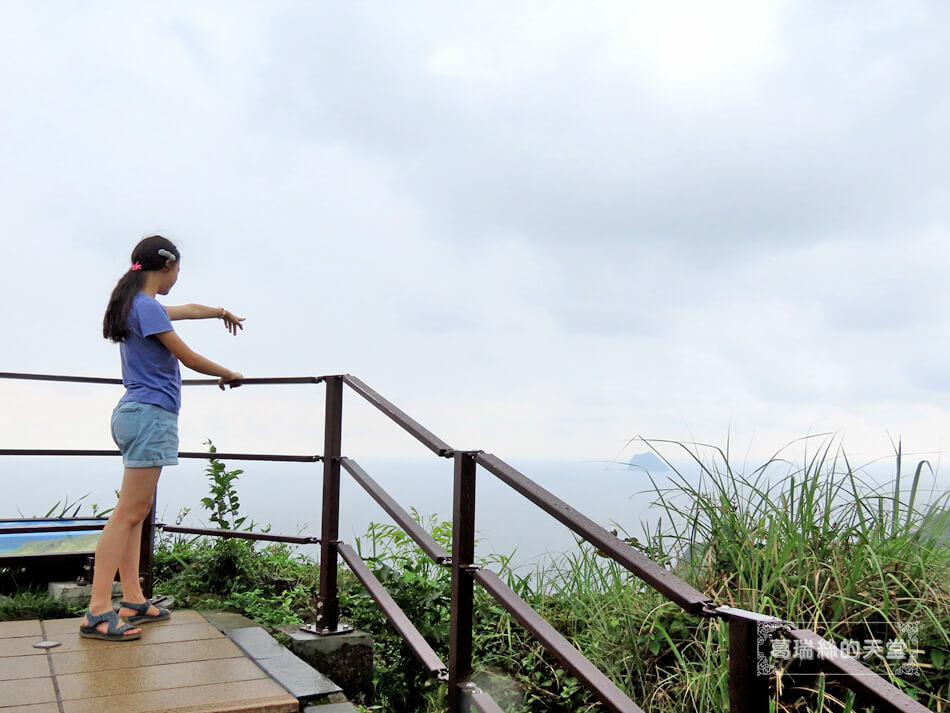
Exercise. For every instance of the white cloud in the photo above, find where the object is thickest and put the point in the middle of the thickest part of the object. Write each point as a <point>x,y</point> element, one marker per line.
<point>540,228</point>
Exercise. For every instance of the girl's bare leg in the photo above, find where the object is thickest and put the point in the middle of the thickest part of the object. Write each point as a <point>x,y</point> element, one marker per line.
<point>129,566</point>
<point>135,502</point>
<point>129,571</point>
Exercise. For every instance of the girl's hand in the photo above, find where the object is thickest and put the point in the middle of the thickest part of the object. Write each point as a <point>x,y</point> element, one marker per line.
<point>230,379</point>
<point>231,321</point>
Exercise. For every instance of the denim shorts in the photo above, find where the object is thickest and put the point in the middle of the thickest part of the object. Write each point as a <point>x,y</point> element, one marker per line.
<point>146,434</point>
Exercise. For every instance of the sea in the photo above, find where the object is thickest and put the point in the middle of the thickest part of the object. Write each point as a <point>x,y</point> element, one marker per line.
<point>287,496</point>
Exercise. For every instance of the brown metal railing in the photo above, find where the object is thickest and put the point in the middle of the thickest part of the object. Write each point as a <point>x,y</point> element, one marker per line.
<point>748,688</point>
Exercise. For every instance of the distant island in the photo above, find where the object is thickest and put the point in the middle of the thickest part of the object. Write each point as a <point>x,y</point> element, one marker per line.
<point>648,462</point>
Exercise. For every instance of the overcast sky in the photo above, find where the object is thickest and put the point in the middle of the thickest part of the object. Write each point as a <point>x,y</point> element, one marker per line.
<point>541,228</point>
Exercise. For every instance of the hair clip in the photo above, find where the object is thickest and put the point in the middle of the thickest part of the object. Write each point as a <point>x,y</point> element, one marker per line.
<point>136,266</point>
<point>167,254</point>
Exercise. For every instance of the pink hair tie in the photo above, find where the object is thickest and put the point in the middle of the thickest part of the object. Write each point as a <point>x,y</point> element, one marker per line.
<point>136,266</point>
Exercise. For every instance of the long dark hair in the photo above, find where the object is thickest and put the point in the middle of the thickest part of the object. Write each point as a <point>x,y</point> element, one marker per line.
<point>115,325</point>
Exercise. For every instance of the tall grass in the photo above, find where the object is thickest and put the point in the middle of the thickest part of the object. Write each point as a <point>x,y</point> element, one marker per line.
<point>814,542</point>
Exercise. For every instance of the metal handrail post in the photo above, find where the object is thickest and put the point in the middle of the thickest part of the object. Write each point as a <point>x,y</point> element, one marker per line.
<point>463,584</point>
<point>748,690</point>
<point>749,669</point>
<point>329,617</point>
<point>147,550</point>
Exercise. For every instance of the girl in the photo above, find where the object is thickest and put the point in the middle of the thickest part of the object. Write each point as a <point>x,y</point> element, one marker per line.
<point>144,424</point>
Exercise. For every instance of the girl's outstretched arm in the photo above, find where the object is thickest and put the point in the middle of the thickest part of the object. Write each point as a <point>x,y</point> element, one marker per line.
<point>193,360</point>
<point>195,311</point>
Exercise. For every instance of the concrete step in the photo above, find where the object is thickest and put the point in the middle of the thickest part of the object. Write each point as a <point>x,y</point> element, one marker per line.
<point>300,670</point>
<point>73,592</point>
<point>303,682</point>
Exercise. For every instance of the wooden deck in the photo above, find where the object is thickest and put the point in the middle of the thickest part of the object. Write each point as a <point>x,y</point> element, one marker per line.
<point>184,664</point>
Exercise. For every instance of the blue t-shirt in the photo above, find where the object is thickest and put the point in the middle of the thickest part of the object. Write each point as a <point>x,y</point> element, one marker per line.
<point>149,371</point>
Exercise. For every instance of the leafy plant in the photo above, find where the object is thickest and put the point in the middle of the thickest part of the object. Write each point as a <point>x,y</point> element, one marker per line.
<point>66,510</point>
<point>419,586</point>
<point>223,503</point>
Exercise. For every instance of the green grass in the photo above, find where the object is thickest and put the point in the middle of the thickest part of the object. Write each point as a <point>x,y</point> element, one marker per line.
<point>28,604</point>
<point>816,543</point>
<point>812,542</point>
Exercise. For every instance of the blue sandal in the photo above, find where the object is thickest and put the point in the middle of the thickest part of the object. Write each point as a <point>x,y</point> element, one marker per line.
<point>143,617</point>
<point>113,632</point>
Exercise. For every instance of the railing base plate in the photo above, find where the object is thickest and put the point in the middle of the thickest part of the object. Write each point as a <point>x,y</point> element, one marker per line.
<point>314,629</point>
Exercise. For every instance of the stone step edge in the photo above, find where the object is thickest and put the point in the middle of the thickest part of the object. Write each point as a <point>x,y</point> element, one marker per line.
<point>277,661</point>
